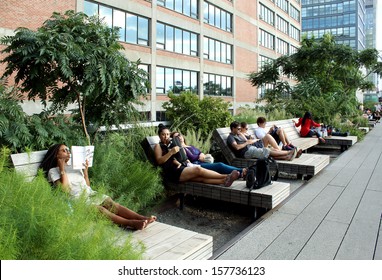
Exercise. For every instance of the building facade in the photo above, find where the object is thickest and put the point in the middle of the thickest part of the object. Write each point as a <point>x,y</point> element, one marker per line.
<point>344,19</point>
<point>205,47</point>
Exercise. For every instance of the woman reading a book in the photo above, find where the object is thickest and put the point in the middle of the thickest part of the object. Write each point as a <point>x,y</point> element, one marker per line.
<point>176,172</point>
<point>76,183</point>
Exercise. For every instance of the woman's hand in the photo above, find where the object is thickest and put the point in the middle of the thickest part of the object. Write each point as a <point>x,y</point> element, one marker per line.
<point>202,157</point>
<point>174,150</point>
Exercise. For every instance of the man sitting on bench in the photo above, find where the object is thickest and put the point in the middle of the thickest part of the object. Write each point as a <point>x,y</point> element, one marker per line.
<point>255,148</point>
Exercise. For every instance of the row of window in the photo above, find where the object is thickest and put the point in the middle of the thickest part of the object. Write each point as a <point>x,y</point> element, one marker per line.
<point>186,7</point>
<point>178,80</point>
<point>217,17</point>
<point>329,9</point>
<point>338,32</point>
<point>270,41</point>
<point>330,21</point>
<point>268,16</point>
<point>212,15</point>
<point>135,30</point>
<point>311,2</point>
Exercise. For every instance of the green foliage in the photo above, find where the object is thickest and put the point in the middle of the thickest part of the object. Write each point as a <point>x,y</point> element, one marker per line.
<point>250,115</point>
<point>187,112</point>
<point>74,58</point>
<point>37,223</point>
<point>19,131</point>
<point>119,166</point>
<point>195,138</point>
<point>328,76</point>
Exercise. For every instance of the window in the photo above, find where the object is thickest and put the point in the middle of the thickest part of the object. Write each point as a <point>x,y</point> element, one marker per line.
<point>217,17</point>
<point>176,40</point>
<point>217,85</point>
<point>282,47</point>
<point>294,13</point>
<point>294,33</point>
<point>263,60</point>
<point>267,40</point>
<point>186,7</point>
<point>133,29</point>
<point>217,51</point>
<point>175,80</point>
<point>282,25</point>
<point>267,15</point>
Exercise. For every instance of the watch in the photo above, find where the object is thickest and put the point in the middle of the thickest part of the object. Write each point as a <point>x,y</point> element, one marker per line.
<point>62,172</point>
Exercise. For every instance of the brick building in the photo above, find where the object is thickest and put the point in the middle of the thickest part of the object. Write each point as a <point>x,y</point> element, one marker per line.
<point>207,47</point>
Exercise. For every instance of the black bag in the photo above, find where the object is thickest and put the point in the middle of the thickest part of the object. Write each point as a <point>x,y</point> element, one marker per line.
<point>180,156</point>
<point>259,175</point>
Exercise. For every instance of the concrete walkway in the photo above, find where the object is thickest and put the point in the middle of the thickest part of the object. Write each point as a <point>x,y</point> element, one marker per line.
<point>336,215</point>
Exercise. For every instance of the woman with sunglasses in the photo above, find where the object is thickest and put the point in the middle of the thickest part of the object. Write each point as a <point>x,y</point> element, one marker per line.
<point>77,184</point>
<point>195,156</point>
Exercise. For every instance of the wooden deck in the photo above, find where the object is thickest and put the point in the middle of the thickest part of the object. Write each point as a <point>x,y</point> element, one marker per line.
<point>335,216</point>
<point>165,242</point>
<point>161,241</point>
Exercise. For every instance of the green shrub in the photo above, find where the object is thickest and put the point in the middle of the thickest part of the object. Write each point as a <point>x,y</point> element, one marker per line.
<point>195,138</point>
<point>120,165</point>
<point>250,115</point>
<point>37,223</point>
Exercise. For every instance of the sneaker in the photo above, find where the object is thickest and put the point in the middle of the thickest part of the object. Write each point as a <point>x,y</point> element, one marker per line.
<point>231,177</point>
<point>287,148</point>
<point>292,146</point>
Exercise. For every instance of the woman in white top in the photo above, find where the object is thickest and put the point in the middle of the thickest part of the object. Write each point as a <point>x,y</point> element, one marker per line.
<point>76,183</point>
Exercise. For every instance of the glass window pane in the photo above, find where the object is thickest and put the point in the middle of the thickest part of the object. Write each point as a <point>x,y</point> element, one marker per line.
<point>211,15</point>
<point>178,5</point>
<point>187,7</point>
<point>229,86</point>
<point>211,50</point>
<point>194,82</point>
<point>160,80</point>
<point>223,20</point>
<point>169,80</point>
<point>186,42</point>
<point>224,53</point>
<point>194,8</point>
<point>160,35</point>
<point>170,38</point>
<point>206,87</point>
<point>91,9</point>
<point>205,48</point>
<point>217,18</point>
<point>170,4</point>
<point>212,84</point>
<point>131,28</point>
<point>119,21</point>
<point>178,40</point>
<point>229,54</point>
<point>205,12</point>
<point>224,85</point>
<point>194,44</point>
<point>143,29</point>
<point>105,13</point>
<point>178,87</point>
<point>186,80</point>
<point>218,51</point>
<point>218,85</point>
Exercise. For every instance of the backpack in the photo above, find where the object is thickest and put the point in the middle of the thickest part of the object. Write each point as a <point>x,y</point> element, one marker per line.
<point>258,174</point>
<point>180,156</point>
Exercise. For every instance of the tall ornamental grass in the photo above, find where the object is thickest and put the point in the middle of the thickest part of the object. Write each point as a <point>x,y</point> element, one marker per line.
<point>38,223</point>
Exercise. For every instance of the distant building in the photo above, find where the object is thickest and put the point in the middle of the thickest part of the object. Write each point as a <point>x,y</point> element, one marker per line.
<point>205,47</point>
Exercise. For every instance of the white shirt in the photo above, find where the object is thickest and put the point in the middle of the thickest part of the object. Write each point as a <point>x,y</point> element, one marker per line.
<point>77,183</point>
<point>260,132</point>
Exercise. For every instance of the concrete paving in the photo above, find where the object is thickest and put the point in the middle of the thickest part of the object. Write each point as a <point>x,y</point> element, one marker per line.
<point>335,215</point>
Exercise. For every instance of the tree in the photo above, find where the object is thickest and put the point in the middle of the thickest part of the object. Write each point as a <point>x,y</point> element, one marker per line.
<point>327,77</point>
<point>74,58</point>
<point>187,112</point>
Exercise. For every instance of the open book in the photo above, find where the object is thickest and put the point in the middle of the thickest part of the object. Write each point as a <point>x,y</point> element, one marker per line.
<point>80,154</point>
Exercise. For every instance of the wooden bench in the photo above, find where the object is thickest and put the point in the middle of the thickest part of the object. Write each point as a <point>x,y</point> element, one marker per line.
<point>161,241</point>
<point>306,166</point>
<point>267,198</point>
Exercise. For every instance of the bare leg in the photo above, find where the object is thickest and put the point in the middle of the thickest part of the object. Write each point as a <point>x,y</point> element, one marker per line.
<point>136,224</point>
<point>283,137</point>
<point>125,212</point>
<point>283,155</point>
<point>200,174</point>
<point>269,140</point>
